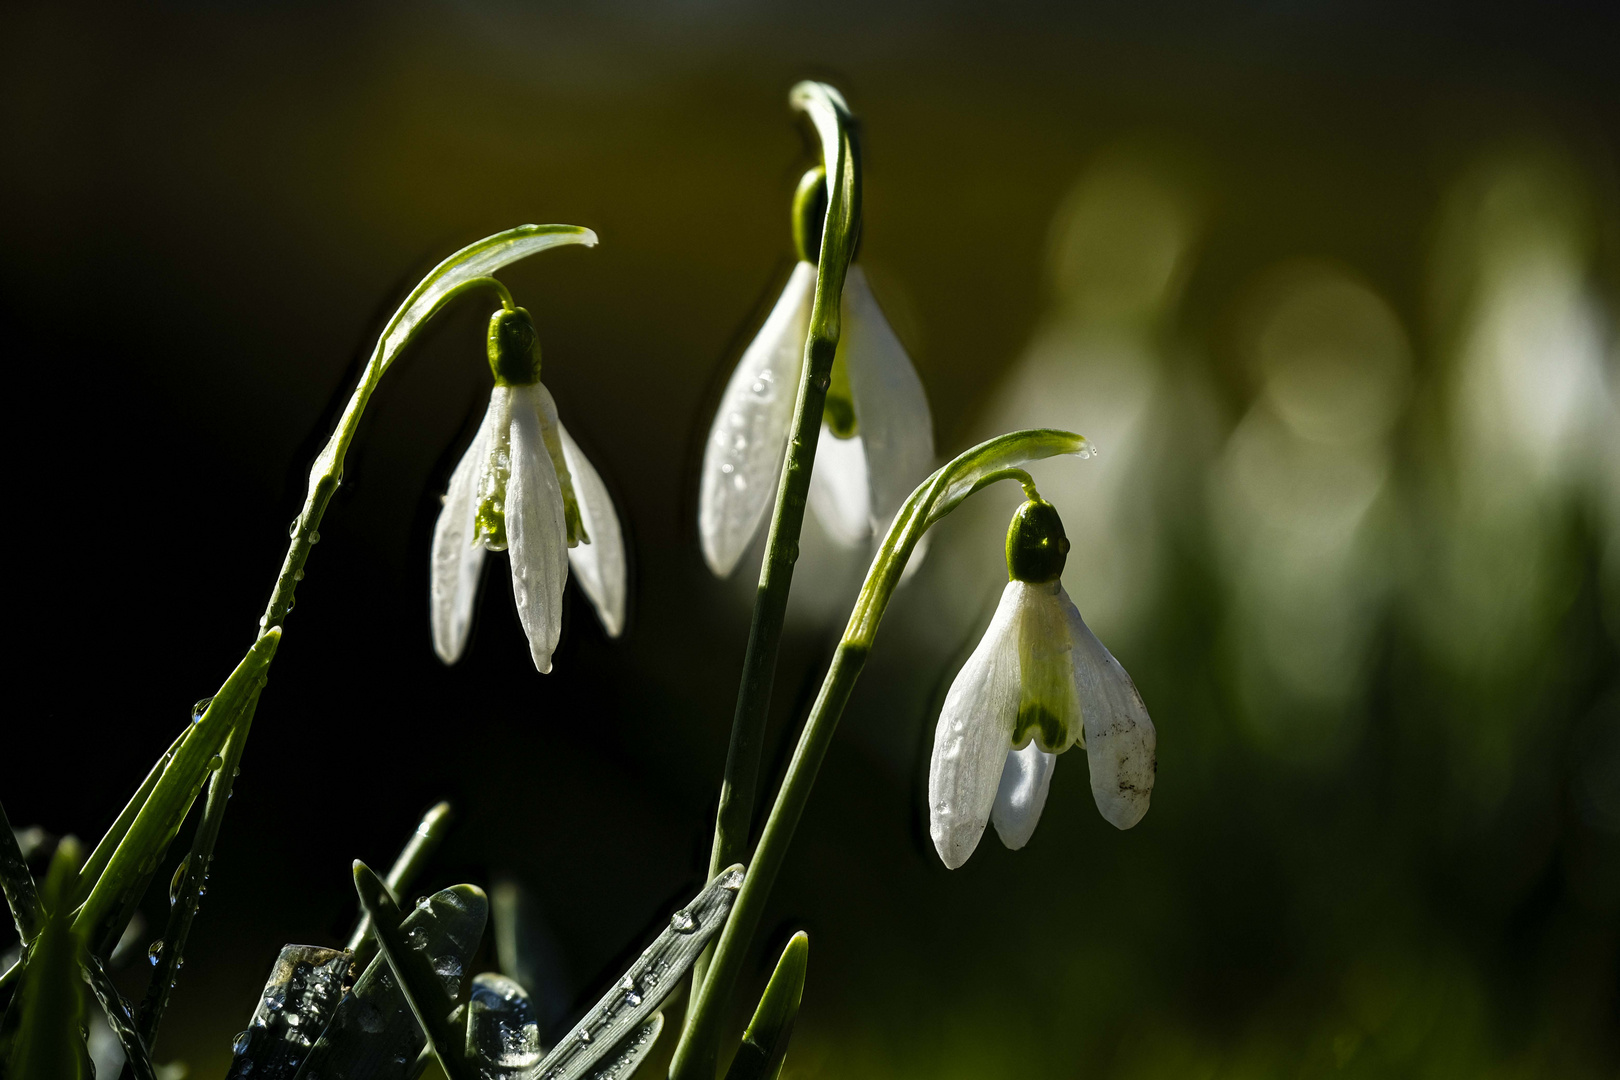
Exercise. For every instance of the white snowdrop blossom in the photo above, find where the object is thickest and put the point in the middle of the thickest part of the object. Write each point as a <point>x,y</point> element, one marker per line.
<point>1038,683</point>
<point>877,436</point>
<point>524,487</point>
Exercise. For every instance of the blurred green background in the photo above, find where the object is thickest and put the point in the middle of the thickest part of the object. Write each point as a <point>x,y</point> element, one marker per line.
<point>1333,287</point>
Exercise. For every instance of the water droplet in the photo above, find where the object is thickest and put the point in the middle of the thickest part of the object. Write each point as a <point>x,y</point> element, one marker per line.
<point>732,881</point>
<point>201,707</point>
<point>177,882</point>
<point>632,996</point>
<point>682,922</point>
<point>298,575</point>
<point>240,1045</point>
<point>155,953</point>
<point>292,530</point>
<point>215,762</point>
<point>315,536</point>
<point>585,1034</point>
<point>178,964</point>
<point>740,482</point>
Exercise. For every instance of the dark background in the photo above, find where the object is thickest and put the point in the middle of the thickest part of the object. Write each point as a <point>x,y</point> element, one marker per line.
<point>210,209</point>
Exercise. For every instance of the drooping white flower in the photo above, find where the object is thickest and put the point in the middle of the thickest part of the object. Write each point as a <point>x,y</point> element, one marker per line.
<point>877,436</point>
<point>1038,683</point>
<point>524,487</point>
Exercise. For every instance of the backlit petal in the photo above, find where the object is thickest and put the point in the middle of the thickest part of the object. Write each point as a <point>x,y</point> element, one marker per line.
<point>891,410</point>
<point>1121,745</point>
<point>457,557</point>
<point>839,494</point>
<point>599,566</point>
<point>536,532</point>
<point>1049,699</point>
<point>1025,779</point>
<point>749,436</point>
<point>974,736</point>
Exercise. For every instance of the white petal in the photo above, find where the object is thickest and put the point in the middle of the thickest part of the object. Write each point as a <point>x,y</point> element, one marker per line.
<point>746,443</point>
<point>536,532</point>
<point>599,565</point>
<point>1025,780</point>
<point>838,488</point>
<point>891,410</point>
<point>1121,745</point>
<point>1049,695</point>
<point>457,557</point>
<point>974,736</point>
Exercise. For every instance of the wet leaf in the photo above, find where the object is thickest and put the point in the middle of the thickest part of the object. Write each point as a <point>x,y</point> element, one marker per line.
<point>373,1035</point>
<point>299,999</point>
<point>633,999</point>
<point>18,884</point>
<point>119,1018</point>
<point>503,1034</point>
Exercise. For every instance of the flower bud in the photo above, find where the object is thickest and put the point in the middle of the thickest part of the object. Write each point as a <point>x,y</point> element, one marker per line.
<point>1037,547</point>
<point>514,348</point>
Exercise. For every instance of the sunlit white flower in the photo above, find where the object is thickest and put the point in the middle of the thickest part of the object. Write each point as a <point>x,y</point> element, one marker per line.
<point>1038,683</point>
<point>877,437</point>
<point>524,487</point>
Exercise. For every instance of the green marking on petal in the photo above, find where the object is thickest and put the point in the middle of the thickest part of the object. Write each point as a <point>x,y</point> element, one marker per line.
<point>839,412</point>
<point>1037,720</point>
<point>489,526</point>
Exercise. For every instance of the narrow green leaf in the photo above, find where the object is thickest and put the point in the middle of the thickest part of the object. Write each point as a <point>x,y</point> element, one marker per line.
<point>18,884</point>
<point>423,986</point>
<point>765,1043</point>
<point>412,857</point>
<point>373,1035</point>
<point>48,1039</point>
<point>298,1001</point>
<point>132,864</point>
<point>649,981</point>
<point>97,862</point>
<point>503,1034</point>
<point>136,1053</point>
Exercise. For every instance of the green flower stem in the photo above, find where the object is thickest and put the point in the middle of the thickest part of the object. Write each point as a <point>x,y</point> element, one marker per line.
<point>183,903</point>
<point>126,858</point>
<point>841,159</point>
<point>998,459</point>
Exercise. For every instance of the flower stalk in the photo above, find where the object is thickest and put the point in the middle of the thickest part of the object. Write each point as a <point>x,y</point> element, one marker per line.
<point>118,872</point>
<point>998,459</point>
<point>841,160</point>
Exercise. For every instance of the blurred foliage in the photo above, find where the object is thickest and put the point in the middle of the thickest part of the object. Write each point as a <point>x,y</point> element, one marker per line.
<point>1333,291</point>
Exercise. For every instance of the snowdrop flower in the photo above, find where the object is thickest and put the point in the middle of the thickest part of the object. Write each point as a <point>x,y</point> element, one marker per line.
<point>1038,683</point>
<point>877,438</point>
<point>523,486</point>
